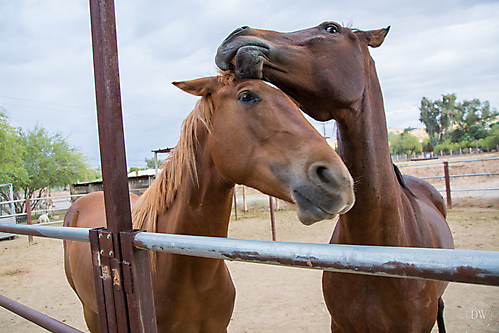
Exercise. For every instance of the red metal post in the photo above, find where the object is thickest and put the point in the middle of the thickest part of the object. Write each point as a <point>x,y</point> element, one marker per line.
<point>112,152</point>
<point>99,277</point>
<point>447,185</point>
<point>137,284</point>
<point>106,244</point>
<point>109,116</point>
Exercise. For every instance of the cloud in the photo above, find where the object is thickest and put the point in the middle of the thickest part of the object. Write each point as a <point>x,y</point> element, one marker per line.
<point>433,48</point>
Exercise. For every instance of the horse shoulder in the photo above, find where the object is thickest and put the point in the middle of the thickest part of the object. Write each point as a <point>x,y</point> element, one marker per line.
<point>429,210</point>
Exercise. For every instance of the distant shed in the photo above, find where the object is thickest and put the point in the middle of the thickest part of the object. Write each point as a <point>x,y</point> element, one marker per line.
<point>138,182</point>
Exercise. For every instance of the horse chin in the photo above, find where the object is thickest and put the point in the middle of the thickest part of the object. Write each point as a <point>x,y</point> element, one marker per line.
<point>308,212</point>
<point>308,217</point>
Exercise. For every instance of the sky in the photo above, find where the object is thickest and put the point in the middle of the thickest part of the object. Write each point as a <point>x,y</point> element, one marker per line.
<point>46,69</point>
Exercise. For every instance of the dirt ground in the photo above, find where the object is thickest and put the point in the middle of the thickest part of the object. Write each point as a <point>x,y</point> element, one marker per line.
<point>269,298</point>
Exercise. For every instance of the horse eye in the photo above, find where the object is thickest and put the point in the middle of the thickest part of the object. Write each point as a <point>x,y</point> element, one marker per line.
<point>247,97</point>
<point>332,29</point>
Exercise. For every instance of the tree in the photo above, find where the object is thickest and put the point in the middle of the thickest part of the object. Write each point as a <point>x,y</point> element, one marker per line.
<point>47,160</point>
<point>429,116</point>
<point>404,143</point>
<point>149,165</point>
<point>447,146</point>
<point>150,162</point>
<point>492,139</point>
<point>437,116</point>
<point>471,119</point>
<point>11,168</point>
<point>462,122</point>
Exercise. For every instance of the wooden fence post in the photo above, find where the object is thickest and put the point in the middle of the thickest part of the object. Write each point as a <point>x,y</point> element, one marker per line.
<point>272,218</point>
<point>245,205</point>
<point>235,203</point>
<point>28,218</point>
<point>447,184</point>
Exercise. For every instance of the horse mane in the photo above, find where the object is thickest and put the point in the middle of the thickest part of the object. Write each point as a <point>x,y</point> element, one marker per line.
<point>161,194</point>
<point>401,181</point>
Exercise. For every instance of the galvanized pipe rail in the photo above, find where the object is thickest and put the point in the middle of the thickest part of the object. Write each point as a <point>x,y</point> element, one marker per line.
<point>465,266</point>
<point>477,267</point>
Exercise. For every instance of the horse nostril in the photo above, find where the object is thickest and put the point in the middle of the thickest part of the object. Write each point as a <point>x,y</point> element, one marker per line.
<point>322,175</point>
<point>236,32</point>
<point>321,172</point>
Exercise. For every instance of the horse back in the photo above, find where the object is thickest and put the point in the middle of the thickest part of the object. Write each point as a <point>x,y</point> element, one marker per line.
<point>426,192</point>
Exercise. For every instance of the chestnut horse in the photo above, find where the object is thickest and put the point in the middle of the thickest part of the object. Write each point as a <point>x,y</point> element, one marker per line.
<point>328,70</point>
<point>241,131</point>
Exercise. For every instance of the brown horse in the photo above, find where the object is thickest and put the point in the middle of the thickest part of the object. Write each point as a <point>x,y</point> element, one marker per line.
<point>329,71</point>
<point>241,131</point>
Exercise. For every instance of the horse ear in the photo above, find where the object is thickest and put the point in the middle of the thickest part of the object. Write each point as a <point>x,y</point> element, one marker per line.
<point>373,38</point>
<point>199,87</point>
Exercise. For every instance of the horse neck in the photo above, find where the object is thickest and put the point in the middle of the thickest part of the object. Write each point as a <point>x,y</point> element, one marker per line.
<point>363,145</point>
<point>201,207</point>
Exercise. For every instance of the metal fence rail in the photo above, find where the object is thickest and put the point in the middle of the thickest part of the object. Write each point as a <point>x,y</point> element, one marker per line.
<point>40,319</point>
<point>447,176</point>
<point>462,175</point>
<point>450,161</point>
<point>39,199</point>
<point>477,267</point>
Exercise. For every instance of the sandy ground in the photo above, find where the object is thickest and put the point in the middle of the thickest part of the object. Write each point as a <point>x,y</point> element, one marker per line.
<point>269,298</point>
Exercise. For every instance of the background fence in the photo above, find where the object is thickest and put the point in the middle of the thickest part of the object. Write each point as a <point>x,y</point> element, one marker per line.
<point>472,178</point>
<point>46,208</point>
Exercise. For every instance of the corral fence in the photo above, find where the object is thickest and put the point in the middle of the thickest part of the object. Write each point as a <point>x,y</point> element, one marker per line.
<point>448,188</point>
<point>9,216</point>
<point>48,210</point>
<point>120,255</point>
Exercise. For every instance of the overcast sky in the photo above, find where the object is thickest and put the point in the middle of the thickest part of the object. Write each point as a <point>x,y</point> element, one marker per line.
<point>46,70</point>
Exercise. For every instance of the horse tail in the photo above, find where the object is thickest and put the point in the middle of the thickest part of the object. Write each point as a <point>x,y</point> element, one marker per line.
<point>440,316</point>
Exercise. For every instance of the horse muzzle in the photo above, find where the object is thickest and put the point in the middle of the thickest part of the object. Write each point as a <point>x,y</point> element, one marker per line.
<point>324,195</point>
<point>244,54</point>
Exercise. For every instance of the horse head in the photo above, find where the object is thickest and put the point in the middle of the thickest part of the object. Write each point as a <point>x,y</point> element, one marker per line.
<point>323,68</point>
<point>258,137</point>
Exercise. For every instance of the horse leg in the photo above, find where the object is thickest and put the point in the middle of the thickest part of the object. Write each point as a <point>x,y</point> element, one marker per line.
<point>440,316</point>
<point>91,319</point>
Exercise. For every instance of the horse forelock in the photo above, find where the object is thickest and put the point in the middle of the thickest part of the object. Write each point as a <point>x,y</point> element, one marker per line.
<point>227,77</point>
<point>161,194</point>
